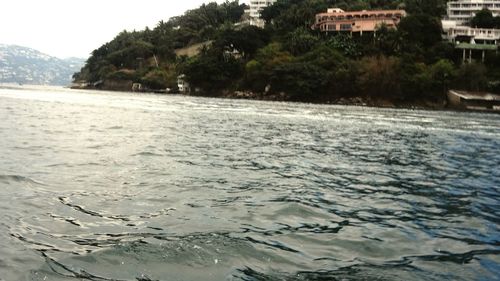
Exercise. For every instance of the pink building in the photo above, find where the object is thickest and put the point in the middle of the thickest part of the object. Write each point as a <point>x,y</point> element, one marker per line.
<point>335,20</point>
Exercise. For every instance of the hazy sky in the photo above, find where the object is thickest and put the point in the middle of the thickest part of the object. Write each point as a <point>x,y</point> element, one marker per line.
<point>74,28</point>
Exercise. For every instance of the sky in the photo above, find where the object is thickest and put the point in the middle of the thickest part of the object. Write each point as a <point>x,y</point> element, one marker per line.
<point>74,28</point>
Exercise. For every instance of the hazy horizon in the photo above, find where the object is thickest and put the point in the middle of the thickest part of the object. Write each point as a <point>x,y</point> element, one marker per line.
<point>64,29</point>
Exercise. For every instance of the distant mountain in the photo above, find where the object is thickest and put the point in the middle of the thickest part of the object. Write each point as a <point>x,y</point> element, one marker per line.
<point>28,66</point>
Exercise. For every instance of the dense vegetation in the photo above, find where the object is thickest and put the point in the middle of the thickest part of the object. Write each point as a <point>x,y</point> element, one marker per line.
<point>148,56</point>
<point>288,60</point>
<point>485,19</point>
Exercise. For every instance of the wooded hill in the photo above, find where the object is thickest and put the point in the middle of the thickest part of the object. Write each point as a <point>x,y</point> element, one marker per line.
<point>287,60</point>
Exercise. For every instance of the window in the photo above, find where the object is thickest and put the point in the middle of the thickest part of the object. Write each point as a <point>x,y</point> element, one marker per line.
<point>345,27</point>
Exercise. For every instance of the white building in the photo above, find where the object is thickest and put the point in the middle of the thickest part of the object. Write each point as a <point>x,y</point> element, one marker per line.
<point>466,38</point>
<point>465,34</point>
<point>469,40</point>
<point>256,7</point>
<point>182,84</point>
<point>461,11</point>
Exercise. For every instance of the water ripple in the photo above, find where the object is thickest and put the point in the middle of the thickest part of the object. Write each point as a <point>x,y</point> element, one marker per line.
<point>120,186</point>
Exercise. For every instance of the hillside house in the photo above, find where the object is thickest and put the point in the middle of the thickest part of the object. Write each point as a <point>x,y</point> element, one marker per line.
<point>337,20</point>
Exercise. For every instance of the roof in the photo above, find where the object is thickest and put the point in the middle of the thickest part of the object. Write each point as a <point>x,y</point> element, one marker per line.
<point>364,12</point>
<point>469,46</point>
<point>476,95</point>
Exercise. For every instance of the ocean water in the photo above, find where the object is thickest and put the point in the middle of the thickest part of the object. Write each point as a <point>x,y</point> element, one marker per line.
<point>120,186</point>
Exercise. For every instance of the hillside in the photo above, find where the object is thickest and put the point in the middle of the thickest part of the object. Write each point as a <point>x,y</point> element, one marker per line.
<point>28,66</point>
<point>406,64</point>
<point>149,56</point>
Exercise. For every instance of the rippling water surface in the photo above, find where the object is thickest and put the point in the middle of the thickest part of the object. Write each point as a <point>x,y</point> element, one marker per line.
<point>116,186</point>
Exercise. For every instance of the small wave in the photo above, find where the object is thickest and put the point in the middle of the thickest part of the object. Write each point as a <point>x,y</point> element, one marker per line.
<point>124,218</point>
<point>56,165</point>
<point>272,244</point>
<point>146,153</point>
<point>115,128</point>
<point>70,220</point>
<point>459,258</point>
<point>19,179</point>
<point>212,253</point>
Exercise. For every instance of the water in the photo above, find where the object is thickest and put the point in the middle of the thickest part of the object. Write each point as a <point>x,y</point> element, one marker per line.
<point>116,186</point>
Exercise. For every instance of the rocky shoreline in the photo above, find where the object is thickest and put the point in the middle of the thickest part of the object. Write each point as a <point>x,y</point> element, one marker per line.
<point>478,101</point>
<point>282,97</point>
<point>354,101</point>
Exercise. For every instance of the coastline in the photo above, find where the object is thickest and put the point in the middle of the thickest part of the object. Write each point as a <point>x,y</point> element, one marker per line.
<point>351,101</point>
<point>441,102</point>
<point>282,97</point>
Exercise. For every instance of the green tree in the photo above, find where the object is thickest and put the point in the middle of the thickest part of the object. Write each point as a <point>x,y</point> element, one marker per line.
<point>379,76</point>
<point>246,40</point>
<point>259,70</point>
<point>163,42</point>
<point>340,72</point>
<point>442,73</point>
<point>300,80</point>
<point>268,14</point>
<point>211,71</point>
<point>419,33</point>
<point>159,78</point>
<point>131,56</point>
<point>472,77</point>
<point>432,8</point>
<point>344,44</point>
<point>300,41</point>
<point>415,79</point>
<point>387,41</point>
<point>485,19</point>
<point>324,56</point>
<point>288,15</point>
